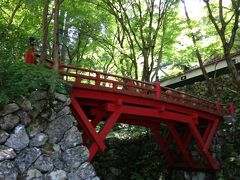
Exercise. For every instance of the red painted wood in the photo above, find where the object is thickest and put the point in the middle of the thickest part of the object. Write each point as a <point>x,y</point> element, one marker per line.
<point>211,134</point>
<point>87,124</point>
<point>202,148</point>
<point>98,96</point>
<point>164,147</point>
<point>94,123</point>
<point>180,144</point>
<point>104,131</point>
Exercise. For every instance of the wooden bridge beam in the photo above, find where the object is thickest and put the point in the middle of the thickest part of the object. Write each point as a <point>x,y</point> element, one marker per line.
<point>203,148</point>
<point>84,121</point>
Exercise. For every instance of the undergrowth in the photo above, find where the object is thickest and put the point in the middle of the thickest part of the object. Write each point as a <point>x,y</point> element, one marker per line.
<point>22,79</point>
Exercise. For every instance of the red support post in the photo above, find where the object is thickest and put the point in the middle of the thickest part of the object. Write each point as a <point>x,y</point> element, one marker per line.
<point>180,144</point>
<point>218,107</point>
<point>213,164</point>
<point>158,89</point>
<point>84,119</point>
<point>163,147</point>
<point>94,123</point>
<point>97,81</point>
<point>111,121</point>
<point>231,108</point>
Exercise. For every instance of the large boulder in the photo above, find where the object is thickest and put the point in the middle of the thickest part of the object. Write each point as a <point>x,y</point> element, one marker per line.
<point>57,175</point>
<point>60,97</point>
<point>85,171</point>
<point>8,170</point>
<point>8,109</point>
<point>19,139</point>
<point>71,138</point>
<point>26,158</point>
<point>39,140</point>
<point>37,126</point>
<point>24,103</point>
<point>44,163</point>
<point>58,127</point>
<point>9,122</point>
<point>24,117</point>
<point>6,153</point>
<point>74,157</point>
<point>34,174</point>
<point>3,136</point>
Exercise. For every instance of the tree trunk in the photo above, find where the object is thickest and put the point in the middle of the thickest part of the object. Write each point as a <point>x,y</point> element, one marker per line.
<point>146,72</point>
<point>63,18</point>
<point>231,66</point>
<point>221,30</point>
<point>211,88</point>
<point>44,31</point>
<point>56,34</point>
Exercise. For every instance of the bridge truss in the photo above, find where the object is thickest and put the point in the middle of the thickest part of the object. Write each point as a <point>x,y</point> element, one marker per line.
<point>183,125</point>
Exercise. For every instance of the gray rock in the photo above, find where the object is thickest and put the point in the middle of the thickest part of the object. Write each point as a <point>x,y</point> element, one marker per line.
<point>26,158</point>
<point>24,103</point>
<point>45,114</point>
<point>9,122</point>
<point>37,126</point>
<point>58,106</point>
<point>8,109</point>
<point>58,127</point>
<point>74,157</point>
<point>68,102</point>
<point>57,175</point>
<point>44,163</point>
<point>3,136</point>
<point>34,113</point>
<point>12,176</point>
<point>41,105</point>
<point>24,118</point>
<point>39,140</point>
<point>6,153</point>
<point>60,97</point>
<point>34,174</point>
<point>7,168</point>
<point>64,111</point>
<point>71,138</point>
<point>53,115</point>
<point>39,95</point>
<point>95,178</point>
<point>85,171</point>
<point>56,148</point>
<point>19,139</point>
<point>57,160</point>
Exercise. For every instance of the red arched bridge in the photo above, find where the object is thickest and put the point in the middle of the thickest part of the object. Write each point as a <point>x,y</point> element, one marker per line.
<point>182,124</point>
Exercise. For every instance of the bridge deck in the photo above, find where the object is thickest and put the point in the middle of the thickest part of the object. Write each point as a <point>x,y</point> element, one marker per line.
<point>182,124</point>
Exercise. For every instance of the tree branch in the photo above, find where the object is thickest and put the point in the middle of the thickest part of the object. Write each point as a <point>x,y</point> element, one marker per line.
<point>18,5</point>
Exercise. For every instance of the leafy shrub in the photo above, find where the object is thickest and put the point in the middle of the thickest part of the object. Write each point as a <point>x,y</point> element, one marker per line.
<point>21,79</point>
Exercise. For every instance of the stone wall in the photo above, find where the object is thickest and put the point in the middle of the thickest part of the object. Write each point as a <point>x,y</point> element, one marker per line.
<point>225,145</point>
<point>226,91</point>
<point>139,157</point>
<point>40,140</point>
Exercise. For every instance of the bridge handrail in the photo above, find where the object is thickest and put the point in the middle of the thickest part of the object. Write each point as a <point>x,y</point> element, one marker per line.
<point>77,75</point>
<point>103,73</point>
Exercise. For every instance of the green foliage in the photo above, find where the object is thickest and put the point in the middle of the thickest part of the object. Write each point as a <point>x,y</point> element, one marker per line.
<point>22,79</point>
<point>13,42</point>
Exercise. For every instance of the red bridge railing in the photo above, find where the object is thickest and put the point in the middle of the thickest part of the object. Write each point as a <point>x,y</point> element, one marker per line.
<point>81,77</point>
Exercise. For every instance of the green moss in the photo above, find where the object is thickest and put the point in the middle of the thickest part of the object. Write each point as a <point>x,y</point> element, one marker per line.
<point>48,148</point>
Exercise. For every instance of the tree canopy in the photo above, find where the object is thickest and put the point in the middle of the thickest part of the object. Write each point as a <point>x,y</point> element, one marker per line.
<point>134,38</point>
